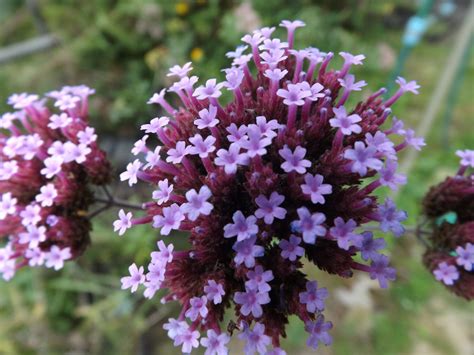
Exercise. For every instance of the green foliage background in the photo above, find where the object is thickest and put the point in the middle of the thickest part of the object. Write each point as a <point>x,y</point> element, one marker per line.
<point>123,48</point>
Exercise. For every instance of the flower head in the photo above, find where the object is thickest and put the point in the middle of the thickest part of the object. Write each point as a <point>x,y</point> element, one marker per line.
<point>448,207</point>
<point>278,173</point>
<point>49,160</point>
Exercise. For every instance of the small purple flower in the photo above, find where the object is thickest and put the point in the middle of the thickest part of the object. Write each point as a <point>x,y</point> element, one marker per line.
<point>136,278</point>
<point>197,203</point>
<point>294,161</point>
<point>258,279</point>
<point>256,340</point>
<point>343,232</point>
<point>275,75</point>
<point>215,343</point>
<point>465,256</point>
<point>391,218</point>
<point>251,301</point>
<point>242,227</point>
<point>318,332</point>
<point>238,52</point>
<point>87,136</point>
<point>369,246</point>
<point>290,249</point>
<point>389,176</point>
<point>269,207</point>
<point>52,167</point>
<point>411,139</point>
<point>405,86</point>
<point>67,102</point>
<point>59,121</point>
<point>446,273</point>
<point>123,223</point>
<point>210,90</point>
<point>293,95</point>
<point>21,101</point>
<point>164,255</point>
<point>140,146</point>
<point>247,251</point>
<point>382,144</point>
<point>8,169</point>
<point>47,195</point>
<point>362,158</point>
<point>163,193</point>
<point>309,225</point>
<point>152,158</point>
<point>197,308</point>
<point>35,257</point>
<point>189,339</point>
<point>467,157</point>
<point>207,118</point>
<point>315,188</point>
<point>347,124</point>
<point>348,82</point>
<point>171,219</point>
<point>33,236</point>
<point>31,215</point>
<point>237,134</point>
<point>313,297</point>
<point>175,327</point>
<point>131,173</point>
<point>214,291</point>
<point>230,159</point>
<point>352,59</point>
<point>7,205</point>
<point>234,77</point>
<point>256,142</point>
<point>176,154</point>
<point>266,128</point>
<point>155,125</point>
<point>180,71</point>
<point>56,256</point>
<point>292,24</point>
<point>380,270</point>
<point>202,147</point>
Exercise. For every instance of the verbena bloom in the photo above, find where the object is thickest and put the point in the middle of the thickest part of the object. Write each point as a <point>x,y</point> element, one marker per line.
<point>49,160</point>
<point>136,278</point>
<point>290,249</point>
<point>347,124</point>
<point>123,223</point>
<point>269,207</point>
<point>449,233</point>
<point>215,343</point>
<point>313,186</point>
<point>280,169</point>
<point>313,297</point>
<point>446,273</point>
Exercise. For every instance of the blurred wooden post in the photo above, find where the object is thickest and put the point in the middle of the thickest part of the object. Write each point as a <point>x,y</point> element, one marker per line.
<point>27,47</point>
<point>42,42</point>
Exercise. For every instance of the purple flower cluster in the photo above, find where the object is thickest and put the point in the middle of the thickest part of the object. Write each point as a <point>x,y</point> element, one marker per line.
<point>47,161</point>
<point>449,207</point>
<point>280,172</point>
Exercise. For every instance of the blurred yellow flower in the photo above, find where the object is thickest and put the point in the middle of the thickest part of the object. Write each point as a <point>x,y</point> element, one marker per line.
<point>153,56</point>
<point>182,8</point>
<point>197,54</point>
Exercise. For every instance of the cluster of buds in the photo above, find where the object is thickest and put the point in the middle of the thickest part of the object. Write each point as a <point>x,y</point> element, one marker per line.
<point>47,162</point>
<point>281,172</point>
<point>449,208</point>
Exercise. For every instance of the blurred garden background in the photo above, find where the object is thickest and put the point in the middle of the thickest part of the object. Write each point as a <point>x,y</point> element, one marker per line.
<point>123,49</point>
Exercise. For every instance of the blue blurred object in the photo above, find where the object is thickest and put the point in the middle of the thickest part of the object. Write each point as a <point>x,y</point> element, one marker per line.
<point>415,29</point>
<point>447,8</point>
